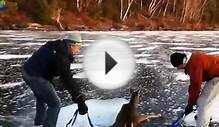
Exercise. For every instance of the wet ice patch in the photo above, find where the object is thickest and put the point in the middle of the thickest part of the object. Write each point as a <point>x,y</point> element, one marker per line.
<point>169,66</point>
<point>214,53</point>
<point>154,101</point>
<point>6,43</point>
<point>88,40</point>
<point>21,38</point>
<point>15,65</point>
<point>180,76</point>
<point>10,85</point>
<point>12,56</point>
<point>85,45</point>
<point>146,61</point>
<point>169,43</point>
<point>41,40</point>
<point>128,39</point>
<point>76,66</point>
<point>80,75</point>
<point>179,109</point>
<point>133,42</point>
<point>136,46</point>
<point>102,113</point>
<point>79,55</point>
<point>31,43</point>
<point>201,49</point>
<point>2,52</point>
<point>142,55</point>
<point>148,48</point>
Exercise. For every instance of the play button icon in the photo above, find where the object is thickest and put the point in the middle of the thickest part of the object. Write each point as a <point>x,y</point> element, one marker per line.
<point>108,63</point>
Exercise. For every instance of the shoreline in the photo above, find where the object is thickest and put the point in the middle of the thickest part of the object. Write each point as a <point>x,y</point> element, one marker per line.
<point>120,27</point>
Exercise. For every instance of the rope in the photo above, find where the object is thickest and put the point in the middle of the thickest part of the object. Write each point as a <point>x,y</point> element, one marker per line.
<point>73,119</point>
<point>88,117</point>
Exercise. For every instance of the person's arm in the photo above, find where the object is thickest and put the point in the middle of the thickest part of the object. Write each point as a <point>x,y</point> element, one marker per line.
<point>195,85</point>
<point>62,65</point>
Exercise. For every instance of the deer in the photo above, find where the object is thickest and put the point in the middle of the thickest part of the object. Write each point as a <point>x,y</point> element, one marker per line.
<point>129,116</point>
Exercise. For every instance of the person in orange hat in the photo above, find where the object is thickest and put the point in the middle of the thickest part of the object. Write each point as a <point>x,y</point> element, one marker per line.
<point>200,67</point>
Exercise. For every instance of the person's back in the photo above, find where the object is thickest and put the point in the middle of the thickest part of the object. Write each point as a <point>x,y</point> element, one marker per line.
<point>208,64</point>
<point>40,62</point>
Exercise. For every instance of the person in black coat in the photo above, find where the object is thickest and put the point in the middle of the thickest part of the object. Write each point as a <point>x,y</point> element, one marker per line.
<point>51,60</point>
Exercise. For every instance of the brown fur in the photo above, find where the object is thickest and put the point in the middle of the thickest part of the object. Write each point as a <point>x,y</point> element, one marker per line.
<point>129,116</point>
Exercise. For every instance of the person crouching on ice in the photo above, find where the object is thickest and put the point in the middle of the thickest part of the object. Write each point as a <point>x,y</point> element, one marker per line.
<point>51,60</point>
<point>200,67</point>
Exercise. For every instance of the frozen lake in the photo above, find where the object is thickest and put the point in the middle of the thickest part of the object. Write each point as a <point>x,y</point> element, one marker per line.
<point>163,89</point>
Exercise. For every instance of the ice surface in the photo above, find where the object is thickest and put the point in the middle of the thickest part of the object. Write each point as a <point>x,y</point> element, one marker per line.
<point>102,113</point>
<point>31,43</point>
<point>170,43</point>
<point>9,85</point>
<point>80,75</point>
<point>13,56</point>
<point>181,76</point>
<point>151,50</point>
<point>201,49</point>
<point>5,43</point>
<point>76,66</point>
<point>148,48</point>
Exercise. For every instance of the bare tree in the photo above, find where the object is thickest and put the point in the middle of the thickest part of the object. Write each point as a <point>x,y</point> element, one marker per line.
<point>78,5</point>
<point>174,6</point>
<point>141,4</point>
<point>165,10</point>
<point>56,16</point>
<point>121,9</point>
<point>193,10</point>
<point>154,6</point>
<point>129,5</point>
<point>99,2</point>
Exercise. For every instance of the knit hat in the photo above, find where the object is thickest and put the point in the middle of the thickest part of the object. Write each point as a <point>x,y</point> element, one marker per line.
<point>74,37</point>
<point>177,59</point>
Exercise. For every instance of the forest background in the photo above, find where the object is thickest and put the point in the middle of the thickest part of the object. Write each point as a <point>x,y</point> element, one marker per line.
<point>110,14</point>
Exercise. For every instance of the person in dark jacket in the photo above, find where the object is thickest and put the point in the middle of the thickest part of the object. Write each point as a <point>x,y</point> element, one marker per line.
<point>51,60</point>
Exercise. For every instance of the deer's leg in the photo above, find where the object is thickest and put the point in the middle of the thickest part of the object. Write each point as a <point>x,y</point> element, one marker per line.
<point>144,118</point>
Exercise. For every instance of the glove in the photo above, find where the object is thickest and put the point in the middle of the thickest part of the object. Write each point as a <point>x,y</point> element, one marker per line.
<point>188,109</point>
<point>82,108</point>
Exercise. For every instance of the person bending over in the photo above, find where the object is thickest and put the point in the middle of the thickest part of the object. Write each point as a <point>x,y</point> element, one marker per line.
<point>200,67</point>
<point>51,60</point>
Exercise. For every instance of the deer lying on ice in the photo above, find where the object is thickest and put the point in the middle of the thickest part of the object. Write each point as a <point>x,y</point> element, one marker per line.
<point>129,116</point>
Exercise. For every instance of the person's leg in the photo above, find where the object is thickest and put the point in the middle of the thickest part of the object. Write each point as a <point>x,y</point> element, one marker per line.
<point>50,97</point>
<point>33,82</point>
<point>40,111</point>
<point>205,101</point>
<point>45,93</point>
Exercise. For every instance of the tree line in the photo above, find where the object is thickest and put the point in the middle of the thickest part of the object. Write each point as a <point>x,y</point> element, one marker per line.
<point>44,11</point>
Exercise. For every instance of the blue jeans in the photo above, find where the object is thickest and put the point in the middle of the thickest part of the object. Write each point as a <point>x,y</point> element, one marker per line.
<point>45,94</point>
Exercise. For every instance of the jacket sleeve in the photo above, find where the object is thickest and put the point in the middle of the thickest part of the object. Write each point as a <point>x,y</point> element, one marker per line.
<point>63,67</point>
<point>195,84</point>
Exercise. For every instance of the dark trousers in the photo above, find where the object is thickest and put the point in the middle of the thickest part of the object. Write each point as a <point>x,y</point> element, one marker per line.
<point>45,95</point>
